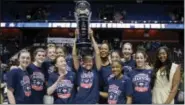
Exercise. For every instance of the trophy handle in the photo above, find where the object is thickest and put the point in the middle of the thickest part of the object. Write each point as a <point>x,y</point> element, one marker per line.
<point>89,21</point>
<point>77,26</point>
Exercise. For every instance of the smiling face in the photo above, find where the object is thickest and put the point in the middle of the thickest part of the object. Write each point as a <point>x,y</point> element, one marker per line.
<point>104,50</point>
<point>61,63</point>
<point>115,56</point>
<point>116,68</point>
<point>127,51</point>
<point>24,59</point>
<point>88,62</point>
<point>60,52</point>
<point>140,60</point>
<point>51,53</point>
<point>162,55</point>
<point>40,57</point>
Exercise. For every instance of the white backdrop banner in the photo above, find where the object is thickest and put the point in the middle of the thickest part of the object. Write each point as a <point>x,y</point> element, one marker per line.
<point>60,40</point>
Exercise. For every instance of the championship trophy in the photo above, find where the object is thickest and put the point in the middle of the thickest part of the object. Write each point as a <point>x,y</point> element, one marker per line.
<point>83,14</point>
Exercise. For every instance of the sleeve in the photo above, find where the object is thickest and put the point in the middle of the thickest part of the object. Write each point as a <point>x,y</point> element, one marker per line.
<point>74,78</point>
<point>79,72</point>
<point>106,86</point>
<point>45,70</point>
<point>129,87</point>
<point>11,79</point>
<point>29,70</point>
<point>51,80</point>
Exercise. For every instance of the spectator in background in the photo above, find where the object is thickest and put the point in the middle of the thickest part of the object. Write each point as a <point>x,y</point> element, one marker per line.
<point>28,15</point>
<point>2,85</point>
<point>175,50</point>
<point>116,44</point>
<point>179,53</point>
<point>118,17</point>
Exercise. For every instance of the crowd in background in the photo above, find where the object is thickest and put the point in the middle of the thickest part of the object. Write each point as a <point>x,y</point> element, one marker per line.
<point>115,12</point>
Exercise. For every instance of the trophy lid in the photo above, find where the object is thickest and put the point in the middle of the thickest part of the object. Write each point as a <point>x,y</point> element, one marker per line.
<point>82,5</point>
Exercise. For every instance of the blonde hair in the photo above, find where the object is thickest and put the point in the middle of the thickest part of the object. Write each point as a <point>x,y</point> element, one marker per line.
<point>51,45</point>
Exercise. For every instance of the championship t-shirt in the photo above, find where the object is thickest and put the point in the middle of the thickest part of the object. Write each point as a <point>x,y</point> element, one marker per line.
<point>141,80</point>
<point>19,81</point>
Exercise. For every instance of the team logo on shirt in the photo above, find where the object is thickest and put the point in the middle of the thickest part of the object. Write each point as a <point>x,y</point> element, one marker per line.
<point>86,79</point>
<point>110,77</point>
<point>141,82</point>
<point>68,68</point>
<point>64,89</point>
<point>114,93</point>
<point>51,69</point>
<point>37,81</point>
<point>25,82</point>
<point>127,68</point>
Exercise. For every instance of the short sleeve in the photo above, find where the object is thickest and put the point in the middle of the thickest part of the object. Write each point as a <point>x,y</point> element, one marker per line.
<point>29,70</point>
<point>45,67</point>
<point>51,80</point>
<point>79,72</point>
<point>11,79</point>
<point>129,87</point>
<point>74,78</point>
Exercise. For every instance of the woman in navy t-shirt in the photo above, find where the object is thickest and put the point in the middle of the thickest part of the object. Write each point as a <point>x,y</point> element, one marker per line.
<point>18,81</point>
<point>128,61</point>
<point>61,83</point>
<point>47,65</point>
<point>119,86</point>
<point>141,79</point>
<point>37,77</point>
<point>87,76</point>
<point>105,71</point>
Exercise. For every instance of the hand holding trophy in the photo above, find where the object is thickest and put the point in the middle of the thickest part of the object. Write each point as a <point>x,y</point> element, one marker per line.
<point>83,15</point>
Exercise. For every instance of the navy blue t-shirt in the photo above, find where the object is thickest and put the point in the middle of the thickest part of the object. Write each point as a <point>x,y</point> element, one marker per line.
<point>119,89</point>
<point>37,84</point>
<point>88,84</point>
<point>48,68</point>
<point>128,66</point>
<point>141,79</point>
<point>19,80</point>
<point>104,73</point>
<point>65,92</point>
<point>69,61</point>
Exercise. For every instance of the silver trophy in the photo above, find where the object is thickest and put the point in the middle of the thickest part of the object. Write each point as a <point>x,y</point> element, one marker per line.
<point>83,15</point>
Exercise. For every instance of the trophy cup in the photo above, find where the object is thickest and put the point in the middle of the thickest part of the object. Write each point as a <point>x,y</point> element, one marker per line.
<point>83,14</point>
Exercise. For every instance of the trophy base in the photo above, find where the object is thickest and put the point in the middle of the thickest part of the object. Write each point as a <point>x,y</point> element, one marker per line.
<point>83,44</point>
<point>85,48</point>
